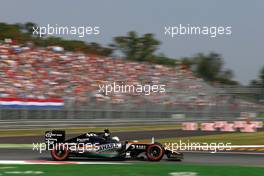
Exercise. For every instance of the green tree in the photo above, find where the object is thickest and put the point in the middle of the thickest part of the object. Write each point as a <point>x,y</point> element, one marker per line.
<point>187,62</point>
<point>28,27</point>
<point>210,68</point>
<point>261,76</point>
<point>162,60</point>
<point>135,47</point>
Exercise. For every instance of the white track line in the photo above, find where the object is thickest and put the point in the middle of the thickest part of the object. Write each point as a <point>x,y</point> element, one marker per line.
<point>239,153</point>
<point>225,147</point>
<point>55,162</point>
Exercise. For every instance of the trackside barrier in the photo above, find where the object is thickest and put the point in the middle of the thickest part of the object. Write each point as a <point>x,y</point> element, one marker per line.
<point>219,124</point>
<point>207,127</point>
<point>259,124</point>
<point>189,126</point>
<point>239,124</point>
<point>228,127</point>
<point>249,128</point>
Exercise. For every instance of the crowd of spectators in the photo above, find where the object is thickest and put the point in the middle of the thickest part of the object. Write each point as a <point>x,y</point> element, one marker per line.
<point>32,72</point>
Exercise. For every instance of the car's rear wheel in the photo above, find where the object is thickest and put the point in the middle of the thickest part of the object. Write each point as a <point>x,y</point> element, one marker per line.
<point>60,153</point>
<point>155,152</point>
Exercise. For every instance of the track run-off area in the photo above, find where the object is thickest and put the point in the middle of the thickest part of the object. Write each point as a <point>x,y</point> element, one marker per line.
<point>17,156</point>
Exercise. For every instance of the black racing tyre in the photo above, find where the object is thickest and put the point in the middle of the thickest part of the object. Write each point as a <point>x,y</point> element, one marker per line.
<point>155,152</point>
<point>60,153</point>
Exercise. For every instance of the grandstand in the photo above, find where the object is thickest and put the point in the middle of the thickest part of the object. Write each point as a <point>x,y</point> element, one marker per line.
<point>28,72</point>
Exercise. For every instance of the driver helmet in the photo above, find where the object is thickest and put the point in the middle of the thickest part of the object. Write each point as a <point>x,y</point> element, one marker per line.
<point>107,132</point>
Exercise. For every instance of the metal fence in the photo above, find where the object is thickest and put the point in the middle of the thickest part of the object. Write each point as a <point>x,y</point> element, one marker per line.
<point>93,110</point>
<point>215,112</point>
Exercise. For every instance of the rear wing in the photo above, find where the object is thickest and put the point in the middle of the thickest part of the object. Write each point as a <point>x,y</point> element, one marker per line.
<point>53,137</point>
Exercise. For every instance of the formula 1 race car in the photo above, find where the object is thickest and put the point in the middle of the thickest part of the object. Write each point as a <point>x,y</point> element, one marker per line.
<point>102,145</point>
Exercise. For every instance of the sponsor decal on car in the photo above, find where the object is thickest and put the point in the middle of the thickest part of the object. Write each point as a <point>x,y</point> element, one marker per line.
<point>83,140</point>
<point>140,147</point>
<point>110,146</point>
<point>50,134</point>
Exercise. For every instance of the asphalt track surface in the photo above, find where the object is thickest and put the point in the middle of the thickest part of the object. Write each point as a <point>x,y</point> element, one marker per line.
<point>189,158</point>
<point>227,158</point>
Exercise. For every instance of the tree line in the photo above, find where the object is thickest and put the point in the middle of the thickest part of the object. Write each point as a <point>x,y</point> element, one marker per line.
<point>143,48</point>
